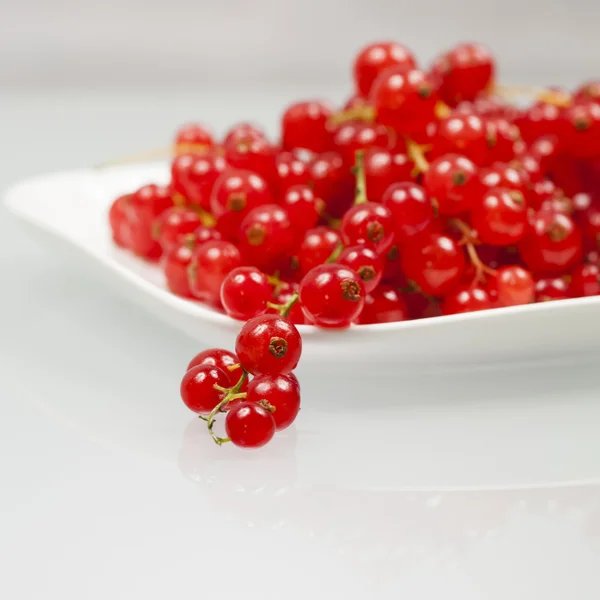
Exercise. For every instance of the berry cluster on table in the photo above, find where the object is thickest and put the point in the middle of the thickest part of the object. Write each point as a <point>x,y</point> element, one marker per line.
<point>428,193</point>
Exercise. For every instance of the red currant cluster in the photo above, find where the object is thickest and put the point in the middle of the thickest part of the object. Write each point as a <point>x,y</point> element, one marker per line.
<point>427,193</point>
<point>268,347</point>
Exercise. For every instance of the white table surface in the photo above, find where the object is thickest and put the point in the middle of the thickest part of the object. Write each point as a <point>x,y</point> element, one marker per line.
<point>476,486</point>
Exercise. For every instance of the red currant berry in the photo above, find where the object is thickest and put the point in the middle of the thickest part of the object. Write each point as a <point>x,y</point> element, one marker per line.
<point>383,168</point>
<point>514,286</point>
<point>193,137</point>
<point>466,135</point>
<point>239,191</point>
<point>304,208</point>
<point>218,357</point>
<point>583,138</point>
<point>590,226</point>
<point>546,150</point>
<point>465,71</point>
<point>249,425</point>
<point>435,263</point>
<point>376,58</point>
<point>466,299</point>
<point>173,224</point>
<point>542,119</point>
<point>421,306</point>
<point>383,305</point>
<point>268,345</point>
<point>197,387</point>
<point>176,264</point>
<point>502,136</point>
<point>451,180</point>
<point>119,224</point>
<point>282,392</point>
<point>245,293</point>
<point>266,236</point>
<point>304,125</point>
<point>316,247</point>
<point>411,208</point>
<point>501,175</point>
<point>332,182</point>
<point>211,263</point>
<point>353,136</point>
<point>552,244</point>
<point>197,177</point>
<point>404,99</point>
<point>332,295</point>
<point>541,191</point>
<point>554,288</point>
<point>296,316</point>
<point>588,91</point>
<point>289,171</point>
<point>243,131</point>
<point>180,169</point>
<point>500,218</point>
<point>585,281</point>
<point>370,224</point>
<point>200,235</point>
<point>364,261</point>
<point>252,154</point>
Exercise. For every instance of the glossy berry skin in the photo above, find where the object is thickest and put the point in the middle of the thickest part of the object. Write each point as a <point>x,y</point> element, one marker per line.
<point>198,176</point>
<point>289,171</point>
<point>451,180</point>
<point>266,236</point>
<point>465,72</point>
<point>243,131</point>
<point>282,392</point>
<point>590,90</point>
<point>180,168</point>
<point>502,175</point>
<point>176,262</point>
<point>514,286</point>
<point>552,244</point>
<point>239,191</point>
<point>197,387</point>
<point>546,149</point>
<point>500,217</point>
<point>384,305</point>
<point>464,134</point>
<point>552,288</point>
<point>332,182</point>
<point>542,119</point>
<point>590,226</point>
<point>200,235</point>
<point>249,425</point>
<point>176,222</point>
<point>435,263</point>
<point>376,58</point>
<point>211,263</point>
<point>245,293</point>
<point>365,262</point>
<point>353,136</point>
<point>269,345</point>
<point>585,281</point>
<point>502,136</point>
<point>370,224</point>
<point>404,99</point>
<point>332,295</point>
<point>583,135</point>
<point>193,137</point>
<point>223,359</point>
<point>119,225</point>
<point>303,206</point>
<point>304,125</point>
<point>252,154</point>
<point>411,209</point>
<point>466,299</point>
<point>316,247</point>
<point>542,191</point>
<point>382,168</point>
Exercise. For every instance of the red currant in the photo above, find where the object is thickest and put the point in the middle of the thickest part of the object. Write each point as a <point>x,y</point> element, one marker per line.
<point>585,281</point>
<point>583,138</point>
<point>501,175</point>
<point>553,288</point>
<point>282,392</point>
<point>239,191</point>
<point>502,136</point>
<point>411,209</point>
<point>249,425</point>
<point>197,177</point>
<point>364,261</point>
<point>243,131</point>
<point>197,387</point>
<point>304,125</point>
<point>542,119</point>
<point>332,295</point>
<point>404,99</point>
<point>435,263</point>
<point>541,191</point>
<point>119,224</point>
<point>588,91</point>
<point>590,226</point>
<point>193,137</point>
<point>383,168</point>
<point>296,316</point>
<point>546,150</point>
<point>376,58</point>
<point>355,135</point>
<point>173,224</point>
<point>289,171</point>
<point>176,264</point>
<point>451,180</point>
<point>316,247</point>
<point>466,299</point>
<point>331,181</point>
<point>466,135</point>
<point>245,293</point>
<point>303,207</point>
<point>223,359</point>
<point>252,154</point>
<point>383,305</point>
<point>500,218</point>
<point>211,263</point>
<point>269,345</point>
<point>370,224</point>
<point>514,286</point>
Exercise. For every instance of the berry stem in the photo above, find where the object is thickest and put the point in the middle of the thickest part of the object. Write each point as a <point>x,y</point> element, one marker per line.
<point>336,253</point>
<point>230,394</point>
<point>284,309</point>
<point>416,153</point>
<point>539,94</point>
<point>358,113</point>
<point>468,237</point>
<point>360,195</point>
<point>234,367</point>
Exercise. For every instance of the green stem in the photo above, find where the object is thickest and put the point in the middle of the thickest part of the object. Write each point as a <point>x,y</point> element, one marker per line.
<point>360,194</point>
<point>230,394</point>
<point>284,309</point>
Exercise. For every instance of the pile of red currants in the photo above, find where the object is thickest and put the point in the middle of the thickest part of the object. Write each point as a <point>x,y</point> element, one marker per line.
<point>427,193</point>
